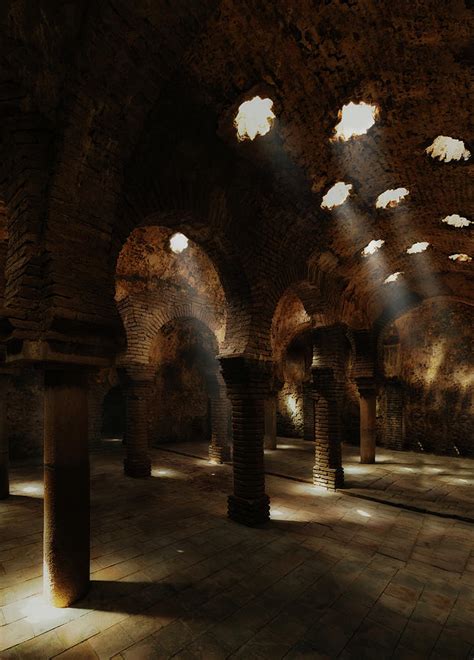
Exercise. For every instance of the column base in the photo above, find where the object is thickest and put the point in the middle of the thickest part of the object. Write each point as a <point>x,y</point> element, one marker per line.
<point>249,512</point>
<point>59,595</point>
<point>329,478</point>
<point>367,460</point>
<point>218,454</point>
<point>66,564</point>
<point>137,467</point>
<point>269,442</point>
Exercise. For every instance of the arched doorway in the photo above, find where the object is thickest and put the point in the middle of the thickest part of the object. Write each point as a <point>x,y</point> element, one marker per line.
<point>113,414</point>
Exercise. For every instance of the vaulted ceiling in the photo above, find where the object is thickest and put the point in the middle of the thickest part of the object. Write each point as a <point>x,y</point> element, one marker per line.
<point>99,74</point>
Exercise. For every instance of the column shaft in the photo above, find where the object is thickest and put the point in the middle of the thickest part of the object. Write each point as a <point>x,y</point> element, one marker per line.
<point>308,413</point>
<point>367,426</point>
<point>66,487</point>
<point>393,426</point>
<point>137,461</point>
<point>247,383</point>
<point>219,446</point>
<point>328,471</point>
<point>270,412</point>
<point>327,391</point>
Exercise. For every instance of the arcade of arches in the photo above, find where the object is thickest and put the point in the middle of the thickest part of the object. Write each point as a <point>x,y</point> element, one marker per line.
<point>236,329</point>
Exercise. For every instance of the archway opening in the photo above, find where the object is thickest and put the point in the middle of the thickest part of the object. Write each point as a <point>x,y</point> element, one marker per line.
<point>425,401</point>
<point>174,311</point>
<point>184,354</point>
<point>113,415</point>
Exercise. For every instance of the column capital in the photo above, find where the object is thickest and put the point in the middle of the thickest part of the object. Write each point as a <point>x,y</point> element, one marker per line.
<point>140,374</point>
<point>249,376</point>
<point>366,385</point>
<point>365,355</point>
<point>321,378</point>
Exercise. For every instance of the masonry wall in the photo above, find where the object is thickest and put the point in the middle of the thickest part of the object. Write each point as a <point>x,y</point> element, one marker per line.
<point>179,403</point>
<point>436,381</point>
<point>290,412</point>
<point>350,413</point>
<point>25,410</point>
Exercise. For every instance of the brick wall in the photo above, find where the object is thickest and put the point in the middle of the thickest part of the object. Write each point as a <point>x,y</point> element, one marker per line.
<point>25,403</point>
<point>434,387</point>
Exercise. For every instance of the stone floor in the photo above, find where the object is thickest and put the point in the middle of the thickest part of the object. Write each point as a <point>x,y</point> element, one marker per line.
<point>439,484</point>
<point>329,577</point>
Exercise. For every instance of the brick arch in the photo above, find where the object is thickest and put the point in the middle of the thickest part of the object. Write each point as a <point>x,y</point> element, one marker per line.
<point>314,311</point>
<point>324,295</point>
<point>205,224</point>
<point>142,328</point>
<point>386,321</point>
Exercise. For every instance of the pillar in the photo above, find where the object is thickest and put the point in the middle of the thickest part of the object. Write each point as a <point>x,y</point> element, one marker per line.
<point>4,479</point>
<point>270,422</point>
<point>308,413</point>
<point>66,487</point>
<point>327,389</point>
<point>367,402</point>
<point>393,424</point>
<point>247,381</point>
<point>219,450</point>
<point>137,462</point>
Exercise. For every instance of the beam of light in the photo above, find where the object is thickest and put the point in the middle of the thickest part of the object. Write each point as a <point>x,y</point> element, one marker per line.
<point>378,270</point>
<point>456,220</point>
<point>363,513</point>
<point>255,117</point>
<point>355,119</point>
<point>37,610</point>
<point>393,277</point>
<point>29,489</point>
<point>461,257</point>
<point>418,247</point>
<point>178,243</point>
<point>391,198</point>
<point>435,361</point>
<point>167,473</point>
<point>336,195</point>
<point>372,247</point>
<point>447,149</point>
<point>291,404</point>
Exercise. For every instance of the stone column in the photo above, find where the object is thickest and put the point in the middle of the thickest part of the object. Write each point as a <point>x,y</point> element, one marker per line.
<point>95,401</point>
<point>363,373</point>
<point>270,422</point>
<point>393,426</point>
<point>4,479</point>
<point>308,413</point>
<point>368,399</point>
<point>137,462</point>
<point>327,391</point>
<point>247,381</point>
<point>66,487</point>
<point>219,450</point>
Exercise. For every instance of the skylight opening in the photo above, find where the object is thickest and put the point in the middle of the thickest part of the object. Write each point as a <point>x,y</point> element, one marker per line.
<point>372,247</point>
<point>255,117</point>
<point>456,220</point>
<point>336,195</point>
<point>355,119</point>
<point>460,257</point>
<point>416,248</point>
<point>391,198</point>
<point>448,149</point>
<point>178,243</point>
<point>393,277</point>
